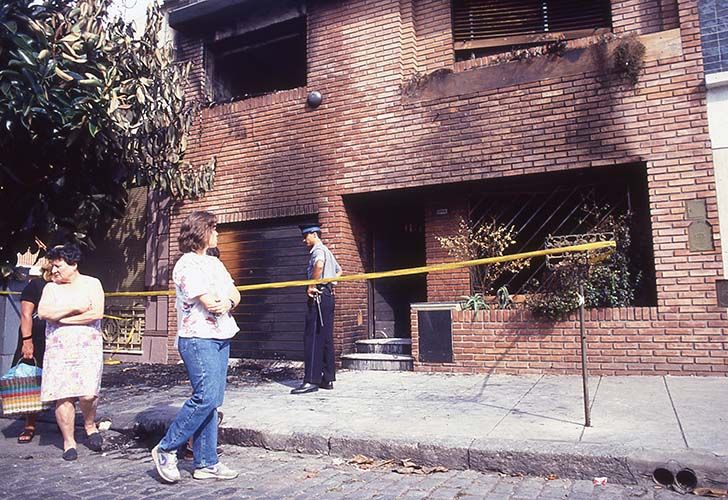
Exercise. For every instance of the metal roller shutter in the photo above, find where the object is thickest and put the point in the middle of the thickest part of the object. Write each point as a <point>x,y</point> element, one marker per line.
<point>270,321</point>
<point>489,23</point>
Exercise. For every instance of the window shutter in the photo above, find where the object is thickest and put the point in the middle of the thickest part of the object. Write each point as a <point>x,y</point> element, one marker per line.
<point>488,19</point>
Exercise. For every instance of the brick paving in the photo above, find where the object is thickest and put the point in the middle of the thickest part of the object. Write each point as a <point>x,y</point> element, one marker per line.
<point>125,471</point>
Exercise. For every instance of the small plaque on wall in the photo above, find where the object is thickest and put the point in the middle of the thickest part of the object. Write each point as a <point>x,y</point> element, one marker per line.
<point>700,236</point>
<point>696,210</point>
<point>721,287</point>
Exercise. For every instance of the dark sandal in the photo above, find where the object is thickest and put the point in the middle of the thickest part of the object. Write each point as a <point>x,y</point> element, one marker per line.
<point>95,441</point>
<point>27,435</point>
<point>70,454</point>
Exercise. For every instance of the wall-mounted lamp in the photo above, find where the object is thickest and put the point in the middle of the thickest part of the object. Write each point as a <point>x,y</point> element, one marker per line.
<point>314,99</point>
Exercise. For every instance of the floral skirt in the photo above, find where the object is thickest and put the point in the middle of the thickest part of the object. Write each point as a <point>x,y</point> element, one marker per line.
<point>73,361</point>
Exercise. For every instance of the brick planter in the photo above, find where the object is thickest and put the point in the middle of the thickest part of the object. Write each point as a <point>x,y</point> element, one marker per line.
<point>629,341</point>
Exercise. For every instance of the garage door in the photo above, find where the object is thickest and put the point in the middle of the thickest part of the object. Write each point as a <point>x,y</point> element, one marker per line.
<point>270,321</point>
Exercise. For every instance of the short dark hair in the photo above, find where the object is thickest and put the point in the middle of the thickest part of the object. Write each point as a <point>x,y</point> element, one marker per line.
<point>213,252</point>
<point>70,252</point>
<point>195,231</point>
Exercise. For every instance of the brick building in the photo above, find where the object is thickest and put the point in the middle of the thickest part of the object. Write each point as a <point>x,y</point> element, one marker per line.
<point>437,110</point>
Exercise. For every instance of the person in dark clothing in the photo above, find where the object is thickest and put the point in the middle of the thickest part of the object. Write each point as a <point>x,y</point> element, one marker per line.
<point>31,336</point>
<point>318,337</point>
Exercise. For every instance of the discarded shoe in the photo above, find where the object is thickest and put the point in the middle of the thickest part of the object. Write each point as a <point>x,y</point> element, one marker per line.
<point>70,455</point>
<point>217,471</point>
<point>166,464</point>
<point>326,385</point>
<point>304,388</point>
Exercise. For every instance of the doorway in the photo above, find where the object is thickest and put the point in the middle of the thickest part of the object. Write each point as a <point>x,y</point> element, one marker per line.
<point>397,242</point>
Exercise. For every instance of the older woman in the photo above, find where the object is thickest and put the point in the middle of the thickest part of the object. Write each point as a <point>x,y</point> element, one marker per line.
<point>72,306</point>
<point>205,296</point>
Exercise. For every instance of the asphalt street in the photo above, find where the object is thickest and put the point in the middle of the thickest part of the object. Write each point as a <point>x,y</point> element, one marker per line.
<point>125,471</point>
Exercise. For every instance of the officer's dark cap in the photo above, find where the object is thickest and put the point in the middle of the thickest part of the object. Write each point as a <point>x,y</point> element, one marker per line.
<point>309,228</point>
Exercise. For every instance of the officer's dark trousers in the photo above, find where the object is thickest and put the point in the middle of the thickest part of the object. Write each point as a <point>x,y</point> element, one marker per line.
<point>318,341</point>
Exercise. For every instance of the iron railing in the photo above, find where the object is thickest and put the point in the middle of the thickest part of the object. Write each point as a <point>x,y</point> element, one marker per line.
<point>123,325</point>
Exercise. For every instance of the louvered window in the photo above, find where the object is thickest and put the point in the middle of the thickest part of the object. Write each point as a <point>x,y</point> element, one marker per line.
<point>494,24</point>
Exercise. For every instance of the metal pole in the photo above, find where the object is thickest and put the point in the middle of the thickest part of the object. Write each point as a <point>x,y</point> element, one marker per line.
<point>318,305</point>
<point>584,369</point>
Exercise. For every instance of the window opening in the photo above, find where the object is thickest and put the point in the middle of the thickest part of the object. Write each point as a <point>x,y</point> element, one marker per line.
<point>567,203</point>
<point>259,62</point>
<point>485,27</point>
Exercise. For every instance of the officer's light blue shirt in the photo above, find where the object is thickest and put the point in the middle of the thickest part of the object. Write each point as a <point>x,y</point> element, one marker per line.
<point>319,252</point>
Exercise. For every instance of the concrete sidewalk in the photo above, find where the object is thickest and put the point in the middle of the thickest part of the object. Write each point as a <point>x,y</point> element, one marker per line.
<point>513,424</point>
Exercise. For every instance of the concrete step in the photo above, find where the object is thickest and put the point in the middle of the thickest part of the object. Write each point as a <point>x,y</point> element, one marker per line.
<point>374,361</point>
<point>385,346</point>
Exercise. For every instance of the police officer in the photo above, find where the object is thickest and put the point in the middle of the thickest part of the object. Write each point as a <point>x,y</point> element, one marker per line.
<point>318,337</point>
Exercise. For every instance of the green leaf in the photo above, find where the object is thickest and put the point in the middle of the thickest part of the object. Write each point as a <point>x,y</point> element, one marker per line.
<point>11,26</point>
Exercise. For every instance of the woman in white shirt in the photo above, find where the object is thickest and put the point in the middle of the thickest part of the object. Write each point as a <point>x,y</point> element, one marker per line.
<point>205,296</point>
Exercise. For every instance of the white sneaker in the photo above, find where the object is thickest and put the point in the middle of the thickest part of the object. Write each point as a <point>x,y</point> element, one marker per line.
<point>217,471</point>
<point>166,463</point>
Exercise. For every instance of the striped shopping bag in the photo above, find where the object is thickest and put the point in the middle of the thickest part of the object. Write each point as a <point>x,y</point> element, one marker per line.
<point>20,390</point>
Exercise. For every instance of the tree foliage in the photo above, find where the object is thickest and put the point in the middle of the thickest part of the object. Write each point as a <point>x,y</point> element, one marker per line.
<point>87,111</point>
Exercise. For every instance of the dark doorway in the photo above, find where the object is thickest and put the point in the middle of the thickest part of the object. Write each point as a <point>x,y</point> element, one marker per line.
<point>398,242</point>
<point>270,321</point>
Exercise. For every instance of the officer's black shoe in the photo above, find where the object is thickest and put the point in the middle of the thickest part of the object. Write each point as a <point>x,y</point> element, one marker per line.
<point>326,385</point>
<point>304,388</point>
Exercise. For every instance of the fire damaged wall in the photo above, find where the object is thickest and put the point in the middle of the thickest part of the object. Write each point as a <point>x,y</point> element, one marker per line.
<point>400,114</point>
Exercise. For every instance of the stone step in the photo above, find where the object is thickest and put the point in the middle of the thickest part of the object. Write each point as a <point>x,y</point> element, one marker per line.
<point>374,361</point>
<point>384,346</point>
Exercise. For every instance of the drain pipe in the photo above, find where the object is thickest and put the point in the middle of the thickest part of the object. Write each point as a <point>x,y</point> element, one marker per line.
<point>672,475</point>
<point>664,476</point>
<point>685,481</point>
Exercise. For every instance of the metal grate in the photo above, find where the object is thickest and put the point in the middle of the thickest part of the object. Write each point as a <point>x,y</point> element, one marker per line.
<point>584,258</point>
<point>488,23</point>
<point>541,215</point>
<point>123,332</point>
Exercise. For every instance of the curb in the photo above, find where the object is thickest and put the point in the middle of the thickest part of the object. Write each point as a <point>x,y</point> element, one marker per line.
<point>627,466</point>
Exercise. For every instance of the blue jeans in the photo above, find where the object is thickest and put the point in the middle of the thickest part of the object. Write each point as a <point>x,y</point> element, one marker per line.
<point>206,362</point>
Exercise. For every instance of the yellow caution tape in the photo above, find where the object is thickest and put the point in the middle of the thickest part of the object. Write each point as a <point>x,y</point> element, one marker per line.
<point>585,247</point>
<point>449,266</point>
<point>117,318</point>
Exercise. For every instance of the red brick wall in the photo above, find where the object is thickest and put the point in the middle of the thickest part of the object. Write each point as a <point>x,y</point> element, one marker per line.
<point>641,17</point>
<point>629,341</point>
<point>442,219</point>
<point>274,154</point>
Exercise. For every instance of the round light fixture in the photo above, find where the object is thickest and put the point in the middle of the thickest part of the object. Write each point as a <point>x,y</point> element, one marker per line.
<point>314,99</point>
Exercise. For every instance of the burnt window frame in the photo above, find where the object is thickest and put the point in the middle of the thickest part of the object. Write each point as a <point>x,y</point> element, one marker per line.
<point>483,40</point>
<point>217,49</point>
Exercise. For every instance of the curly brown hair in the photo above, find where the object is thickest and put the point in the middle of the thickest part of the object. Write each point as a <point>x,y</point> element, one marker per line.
<point>70,252</point>
<point>195,231</point>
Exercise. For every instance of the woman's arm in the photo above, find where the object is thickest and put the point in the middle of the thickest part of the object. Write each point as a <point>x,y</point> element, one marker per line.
<point>214,303</point>
<point>94,293</point>
<point>223,303</point>
<point>52,308</point>
<point>26,328</point>
<point>233,296</point>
